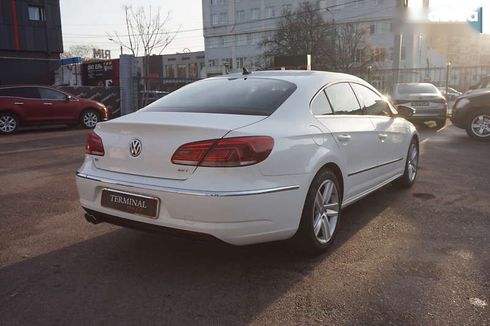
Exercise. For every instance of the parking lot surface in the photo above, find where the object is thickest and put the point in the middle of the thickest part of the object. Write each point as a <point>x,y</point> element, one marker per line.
<point>418,256</point>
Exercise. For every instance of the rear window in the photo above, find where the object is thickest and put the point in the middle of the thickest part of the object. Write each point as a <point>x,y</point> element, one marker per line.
<point>416,89</point>
<point>247,96</point>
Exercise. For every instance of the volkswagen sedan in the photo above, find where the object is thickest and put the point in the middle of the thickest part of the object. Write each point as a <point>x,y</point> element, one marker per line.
<point>249,158</point>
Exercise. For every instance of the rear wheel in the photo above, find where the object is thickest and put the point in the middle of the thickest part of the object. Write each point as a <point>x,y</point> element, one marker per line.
<point>478,126</point>
<point>8,123</point>
<point>89,119</point>
<point>321,215</point>
<point>411,167</point>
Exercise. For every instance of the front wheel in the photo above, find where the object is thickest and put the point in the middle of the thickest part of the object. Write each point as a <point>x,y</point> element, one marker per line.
<point>411,167</point>
<point>89,119</point>
<point>479,126</point>
<point>8,123</point>
<point>321,215</point>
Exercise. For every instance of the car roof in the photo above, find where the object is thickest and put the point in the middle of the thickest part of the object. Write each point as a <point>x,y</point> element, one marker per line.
<point>307,81</point>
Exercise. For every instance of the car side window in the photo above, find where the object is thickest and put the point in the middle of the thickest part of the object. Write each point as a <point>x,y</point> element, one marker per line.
<point>373,103</point>
<point>50,94</point>
<point>320,105</point>
<point>6,92</point>
<point>25,92</point>
<point>343,99</point>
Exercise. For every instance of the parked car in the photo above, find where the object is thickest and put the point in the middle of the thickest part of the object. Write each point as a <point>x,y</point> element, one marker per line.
<point>472,113</point>
<point>246,159</point>
<point>426,99</point>
<point>451,95</point>
<point>35,105</point>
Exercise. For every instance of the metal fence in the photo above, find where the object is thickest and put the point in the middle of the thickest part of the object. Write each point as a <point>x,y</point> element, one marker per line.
<point>461,78</point>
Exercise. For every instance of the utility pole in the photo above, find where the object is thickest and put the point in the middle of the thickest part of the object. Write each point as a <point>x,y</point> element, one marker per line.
<point>448,65</point>
<point>334,38</point>
<point>398,40</point>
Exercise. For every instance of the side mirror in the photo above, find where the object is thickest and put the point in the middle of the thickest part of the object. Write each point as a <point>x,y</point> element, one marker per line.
<point>69,97</point>
<point>405,111</point>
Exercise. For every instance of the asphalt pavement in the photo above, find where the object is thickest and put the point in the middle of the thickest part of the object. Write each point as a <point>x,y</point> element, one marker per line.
<point>403,257</point>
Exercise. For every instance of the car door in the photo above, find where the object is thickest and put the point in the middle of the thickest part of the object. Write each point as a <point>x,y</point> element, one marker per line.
<point>352,132</point>
<point>26,99</point>
<point>389,132</point>
<point>56,105</point>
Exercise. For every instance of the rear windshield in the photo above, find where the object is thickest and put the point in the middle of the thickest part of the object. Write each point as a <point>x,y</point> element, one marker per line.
<point>416,89</point>
<point>248,96</point>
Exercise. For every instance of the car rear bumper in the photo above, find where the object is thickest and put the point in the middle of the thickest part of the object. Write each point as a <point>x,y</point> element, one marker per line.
<point>238,217</point>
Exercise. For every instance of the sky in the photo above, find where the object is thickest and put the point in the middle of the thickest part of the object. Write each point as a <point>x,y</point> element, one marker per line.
<point>86,22</point>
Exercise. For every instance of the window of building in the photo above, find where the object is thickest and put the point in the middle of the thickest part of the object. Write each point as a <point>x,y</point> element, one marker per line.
<point>36,13</point>
<point>343,100</point>
<point>240,16</point>
<point>228,62</point>
<point>255,13</point>
<point>193,72</point>
<point>223,18</point>
<point>212,62</point>
<point>240,62</point>
<point>170,71</point>
<point>372,102</point>
<point>181,72</point>
<point>320,105</point>
<point>270,12</point>
<point>186,58</point>
<point>287,8</point>
<point>214,19</point>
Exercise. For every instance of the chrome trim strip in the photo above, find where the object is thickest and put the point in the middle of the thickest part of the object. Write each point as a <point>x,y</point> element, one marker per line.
<point>190,192</point>
<point>375,167</point>
<point>352,200</point>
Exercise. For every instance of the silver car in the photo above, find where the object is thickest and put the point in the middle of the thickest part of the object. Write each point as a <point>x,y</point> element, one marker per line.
<point>426,99</point>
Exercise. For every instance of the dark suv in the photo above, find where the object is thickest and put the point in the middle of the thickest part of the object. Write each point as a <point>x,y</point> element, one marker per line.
<point>472,113</point>
<point>35,105</point>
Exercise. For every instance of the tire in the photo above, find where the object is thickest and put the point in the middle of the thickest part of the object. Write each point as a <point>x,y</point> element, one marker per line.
<point>440,124</point>
<point>311,240</point>
<point>89,119</point>
<point>478,126</point>
<point>411,167</point>
<point>9,123</point>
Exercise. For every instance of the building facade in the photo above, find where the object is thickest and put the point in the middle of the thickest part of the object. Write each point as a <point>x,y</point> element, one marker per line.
<point>30,41</point>
<point>233,30</point>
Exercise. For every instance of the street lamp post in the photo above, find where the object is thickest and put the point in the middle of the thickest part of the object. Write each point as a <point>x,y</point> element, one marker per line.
<point>448,66</point>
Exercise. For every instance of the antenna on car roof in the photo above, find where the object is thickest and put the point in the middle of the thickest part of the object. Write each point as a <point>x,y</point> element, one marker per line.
<point>245,71</point>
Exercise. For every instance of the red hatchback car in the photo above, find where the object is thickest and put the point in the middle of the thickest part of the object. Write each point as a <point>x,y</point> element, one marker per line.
<point>35,105</point>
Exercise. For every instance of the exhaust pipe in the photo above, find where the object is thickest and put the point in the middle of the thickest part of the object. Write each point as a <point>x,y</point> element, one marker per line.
<point>92,219</point>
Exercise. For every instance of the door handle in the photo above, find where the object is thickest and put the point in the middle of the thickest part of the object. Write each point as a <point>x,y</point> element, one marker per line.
<point>19,103</point>
<point>382,136</point>
<point>344,137</point>
<point>47,103</point>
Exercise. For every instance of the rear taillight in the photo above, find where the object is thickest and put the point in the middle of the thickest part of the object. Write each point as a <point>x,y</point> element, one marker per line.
<point>226,152</point>
<point>94,145</point>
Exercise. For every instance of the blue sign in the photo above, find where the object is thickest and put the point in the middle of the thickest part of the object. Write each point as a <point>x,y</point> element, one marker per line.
<point>476,20</point>
<point>71,61</point>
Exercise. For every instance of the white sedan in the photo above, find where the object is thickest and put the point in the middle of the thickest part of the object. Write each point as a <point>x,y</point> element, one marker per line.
<point>249,158</point>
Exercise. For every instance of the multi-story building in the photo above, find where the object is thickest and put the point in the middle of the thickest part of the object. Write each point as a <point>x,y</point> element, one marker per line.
<point>30,41</point>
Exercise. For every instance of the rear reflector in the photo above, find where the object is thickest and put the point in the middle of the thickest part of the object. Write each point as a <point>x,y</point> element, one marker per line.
<point>94,145</point>
<point>226,152</point>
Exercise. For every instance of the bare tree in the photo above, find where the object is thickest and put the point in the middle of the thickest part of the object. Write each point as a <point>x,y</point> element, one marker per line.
<point>299,32</point>
<point>83,51</point>
<point>336,47</point>
<point>147,31</point>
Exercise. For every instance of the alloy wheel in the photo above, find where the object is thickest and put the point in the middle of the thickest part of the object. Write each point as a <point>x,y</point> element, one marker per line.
<point>326,211</point>
<point>90,119</point>
<point>7,124</point>
<point>480,126</point>
<point>413,162</point>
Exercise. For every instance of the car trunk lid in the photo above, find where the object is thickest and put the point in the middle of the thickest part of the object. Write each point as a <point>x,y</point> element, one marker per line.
<point>160,134</point>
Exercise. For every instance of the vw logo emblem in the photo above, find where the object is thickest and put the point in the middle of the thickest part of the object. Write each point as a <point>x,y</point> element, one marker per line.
<point>135,148</point>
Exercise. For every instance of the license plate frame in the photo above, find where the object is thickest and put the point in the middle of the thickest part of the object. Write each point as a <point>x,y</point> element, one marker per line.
<point>420,104</point>
<point>129,202</point>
